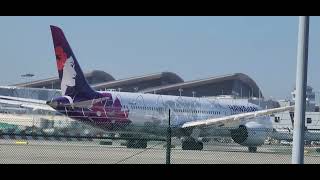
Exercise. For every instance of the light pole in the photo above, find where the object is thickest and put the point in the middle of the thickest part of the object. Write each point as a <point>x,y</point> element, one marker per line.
<point>251,92</point>
<point>27,75</point>
<point>259,97</point>
<point>301,84</point>
<point>180,90</point>
<point>193,93</point>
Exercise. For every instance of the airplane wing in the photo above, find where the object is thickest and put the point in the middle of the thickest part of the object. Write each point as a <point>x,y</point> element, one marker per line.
<point>235,119</point>
<point>25,103</point>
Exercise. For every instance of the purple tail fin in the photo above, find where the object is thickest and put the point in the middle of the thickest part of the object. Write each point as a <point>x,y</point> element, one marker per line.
<point>73,82</point>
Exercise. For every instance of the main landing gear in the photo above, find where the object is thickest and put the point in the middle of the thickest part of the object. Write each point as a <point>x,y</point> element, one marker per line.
<point>252,149</point>
<point>192,144</point>
<point>138,144</point>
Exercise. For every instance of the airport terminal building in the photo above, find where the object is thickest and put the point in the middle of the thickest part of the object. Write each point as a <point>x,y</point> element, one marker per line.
<point>168,83</point>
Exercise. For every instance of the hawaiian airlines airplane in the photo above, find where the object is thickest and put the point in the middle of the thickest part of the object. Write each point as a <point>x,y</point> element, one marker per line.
<point>191,117</point>
<point>140,114</point>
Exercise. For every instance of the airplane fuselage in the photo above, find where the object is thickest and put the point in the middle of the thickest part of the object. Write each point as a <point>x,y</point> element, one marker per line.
<point>118,110</point>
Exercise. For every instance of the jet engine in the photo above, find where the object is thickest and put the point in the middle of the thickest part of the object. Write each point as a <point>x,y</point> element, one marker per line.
<point>251,134</point>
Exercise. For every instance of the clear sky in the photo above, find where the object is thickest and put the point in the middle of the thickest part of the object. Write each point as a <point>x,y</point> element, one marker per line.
<point>193,47</point>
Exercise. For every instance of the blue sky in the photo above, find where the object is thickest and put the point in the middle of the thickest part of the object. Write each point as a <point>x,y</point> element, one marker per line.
<point>193,47</point>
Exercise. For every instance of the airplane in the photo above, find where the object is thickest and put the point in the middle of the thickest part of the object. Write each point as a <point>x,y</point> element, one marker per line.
<point>139,114</point>
<point>192,117</point>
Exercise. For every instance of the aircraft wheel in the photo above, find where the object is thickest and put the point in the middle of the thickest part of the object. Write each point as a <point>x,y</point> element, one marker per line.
<point>252,149</point>
<point>139,144</point>
<point>192,145</point>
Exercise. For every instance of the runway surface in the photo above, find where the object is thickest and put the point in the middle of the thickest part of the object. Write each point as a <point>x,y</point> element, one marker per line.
<point>48,152</point>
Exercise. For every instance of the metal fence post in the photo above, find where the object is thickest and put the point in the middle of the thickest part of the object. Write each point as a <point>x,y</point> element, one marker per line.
<point>168,151</point>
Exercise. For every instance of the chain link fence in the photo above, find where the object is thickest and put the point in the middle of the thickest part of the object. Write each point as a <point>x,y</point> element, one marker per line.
<point>26,138</point>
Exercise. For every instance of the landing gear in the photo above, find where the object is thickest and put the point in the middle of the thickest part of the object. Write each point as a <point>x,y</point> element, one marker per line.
<point>192,144</point>
<point>139,144</point>
<point>252,149</point>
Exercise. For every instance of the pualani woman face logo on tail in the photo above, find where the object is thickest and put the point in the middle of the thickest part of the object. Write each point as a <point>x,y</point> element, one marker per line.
<point>69,77</point>
<point>66,70</point>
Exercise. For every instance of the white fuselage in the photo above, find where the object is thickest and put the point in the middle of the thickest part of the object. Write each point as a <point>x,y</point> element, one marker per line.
<point>154,108</point>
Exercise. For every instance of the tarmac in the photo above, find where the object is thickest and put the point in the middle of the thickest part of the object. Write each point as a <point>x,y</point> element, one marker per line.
<point>91,152</point>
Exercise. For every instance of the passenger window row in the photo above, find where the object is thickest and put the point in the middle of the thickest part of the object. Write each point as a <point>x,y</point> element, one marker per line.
<point>176,110</point>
